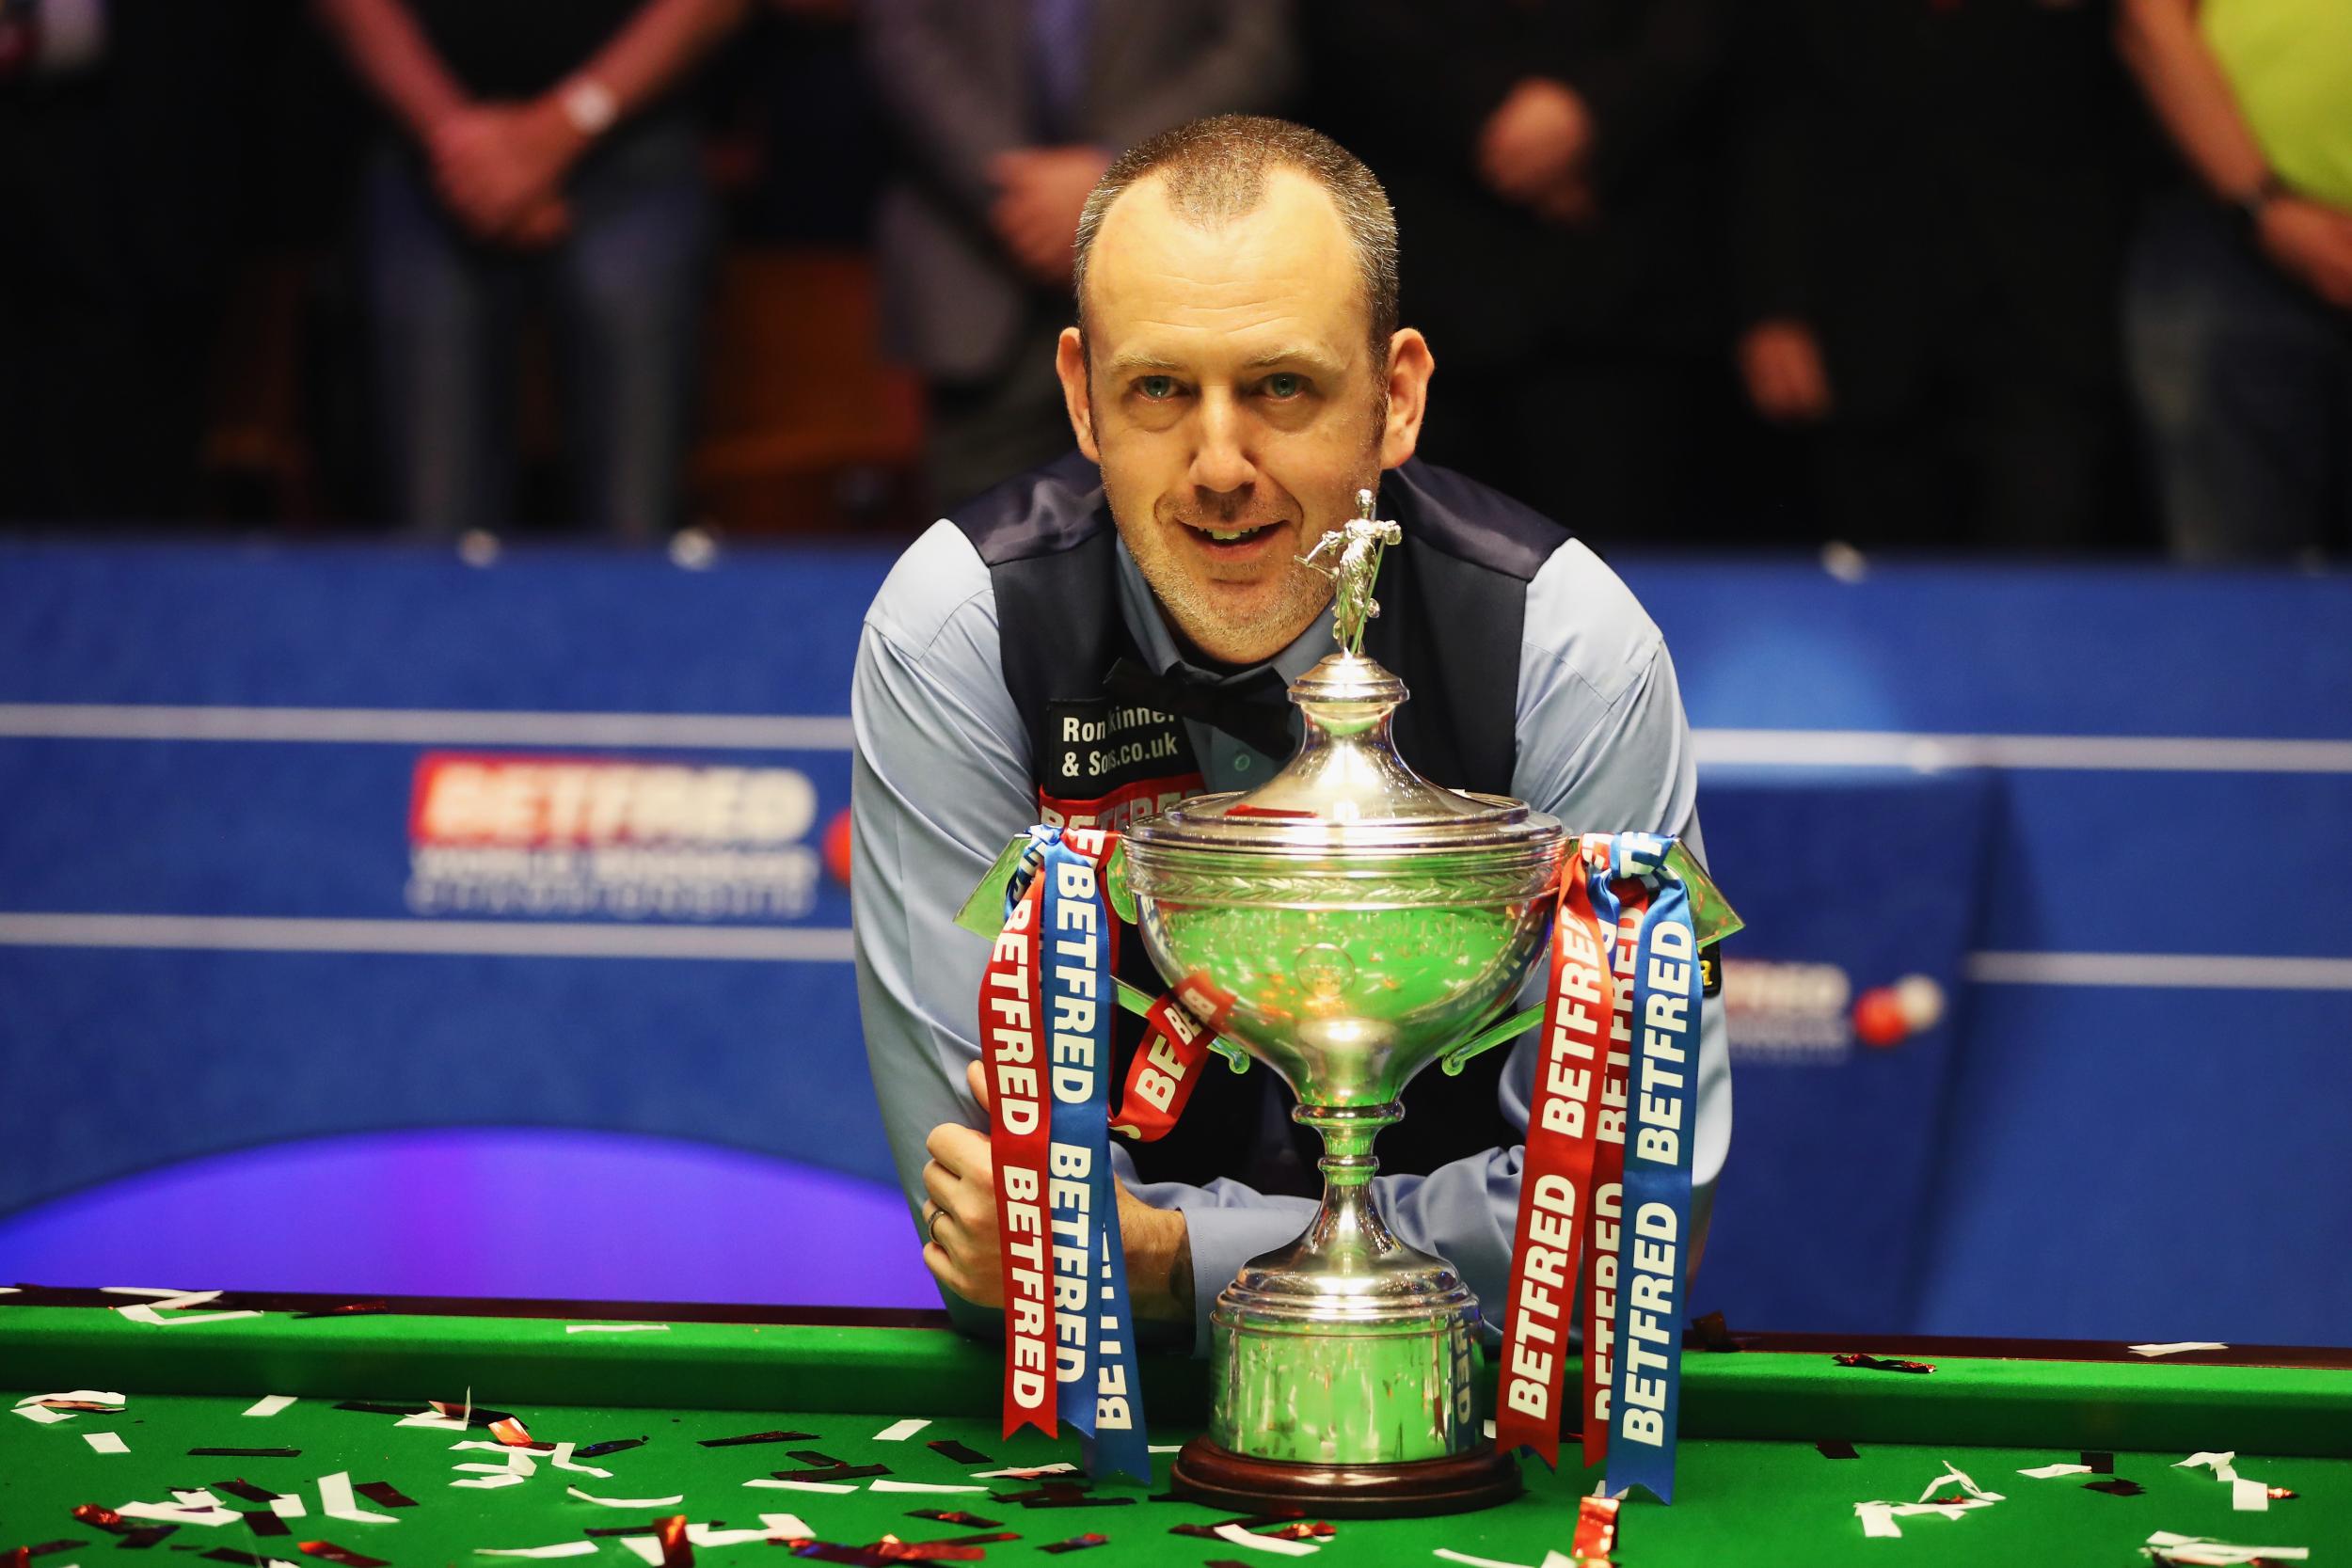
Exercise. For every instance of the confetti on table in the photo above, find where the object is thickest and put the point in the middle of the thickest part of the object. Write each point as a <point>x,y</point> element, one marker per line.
<point>2048,1472</point>
<point>179,1301</point>
<point>562,1548</point>
<point>1166,1448</point>
<point>1953,1473</point>
<point>711,1535</point>
<point>630,1502</point>
<point>1831,1448</point>
<point>2165,1547</point>
<point>2249,1496</point>
<point>1596,1527</point>
<point>598,1450</point>
<point>719,1442</point>
<point>899,1431</point>
<point>789,1526</point>
<point>1877,1520</point>
<point>176,1514</point>
<point>1881,1363</point>
<point>383,1493</point>
<point>888,1485</point>
<point>1275,1544</point>
<point>2177,1347</point>
<point>326,1551</point>
<point>271,1405</point>
<point>1027,1472</point>
<point>337,1502</point>
<point>107,1442</point>
<point>2222,1465</point>
<point>262,1521</point>
<point>2101,1463</point>
<point>2115,1486</point>
<point>1453,1556</point>
<point>616,1328</point>
<point>289,1508</point>
<point>47,1409</point>
<point>491,1483</point>
<point>955,1452</point>
<point>833,1486</point>
<point>562,1460</point>
<point>953,1516</point>
<point>835,1471</point>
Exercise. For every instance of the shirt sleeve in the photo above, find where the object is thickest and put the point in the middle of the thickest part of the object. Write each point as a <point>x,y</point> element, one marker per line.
<point>939,781</point>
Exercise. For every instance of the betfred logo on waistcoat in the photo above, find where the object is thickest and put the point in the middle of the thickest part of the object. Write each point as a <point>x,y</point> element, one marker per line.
<point>627,837</point>
<point>1107,764</point>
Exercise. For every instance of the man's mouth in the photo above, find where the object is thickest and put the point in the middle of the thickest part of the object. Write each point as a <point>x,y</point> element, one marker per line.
<point>1237,538</point>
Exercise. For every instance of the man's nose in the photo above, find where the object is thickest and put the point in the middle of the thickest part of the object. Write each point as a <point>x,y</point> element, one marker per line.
<point>1220,460</point>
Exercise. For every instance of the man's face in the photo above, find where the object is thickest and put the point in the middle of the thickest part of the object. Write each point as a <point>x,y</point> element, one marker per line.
<point>1234,404</point>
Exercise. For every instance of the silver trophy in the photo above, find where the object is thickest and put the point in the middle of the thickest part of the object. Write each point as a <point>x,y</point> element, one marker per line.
<point>1353,923</point>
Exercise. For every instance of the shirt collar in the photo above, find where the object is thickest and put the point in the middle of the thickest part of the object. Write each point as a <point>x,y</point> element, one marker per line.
<point>1141,609</point>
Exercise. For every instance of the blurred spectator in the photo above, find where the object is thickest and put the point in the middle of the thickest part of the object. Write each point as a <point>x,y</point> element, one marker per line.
<point>541,153</point>
<point>2239,310</point>
<point>122,170</point>
<point>1553,166</point>
<point>1007,112</point>
<point>1927,232</point>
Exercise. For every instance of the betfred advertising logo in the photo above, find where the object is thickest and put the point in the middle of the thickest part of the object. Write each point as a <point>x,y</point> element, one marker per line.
<point>1808,1012</point>
<point>625,838</point>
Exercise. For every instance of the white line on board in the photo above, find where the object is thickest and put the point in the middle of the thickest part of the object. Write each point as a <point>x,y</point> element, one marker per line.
<point>423,726</point>
<point>515,939</point>
<point>1927,753</point>
<point>2164,971</point>
<point>1918,751</point>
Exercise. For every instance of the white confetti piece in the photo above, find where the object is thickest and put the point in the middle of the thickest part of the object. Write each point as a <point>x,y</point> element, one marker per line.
<point>2049,1472</point>
<point>562,1548</point>
<point>562,1459</point>
<point>337,1501</point>
<point>883,1483</point>
<point>149,1315</point>
<point>271,1405</point>
<point>486,1484</point>
<point>707,1535</point>
<point>432,1418</point>
<point>1953,1473</point>
<point>899,1431</point>
<point>833,1486</point>
<point>10,1289</point>
<point>2249,1496</point>
<point>45,1416</point>
<point>1877,1520</point>
<point>1022,1472</point>
<point>1273,1543</point>
<point>1490,1432</point>
<point>155,1290</point>
<point>647,1549</point>
<point>786,1525</point>
<point>1166,1447</point>
<point>196,1498</point>
<point>1451,1556</point>
<point>107,1442</point>
<point>75,1396</point>
<point>2176,1347</point>
<point>2222,1468</point>
<point>2203,1549</point>
<point>616,1328</point>
<point>289,1508</point>
<point>623,1502</point>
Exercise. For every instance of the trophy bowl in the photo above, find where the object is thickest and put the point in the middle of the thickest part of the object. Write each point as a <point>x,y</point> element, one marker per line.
<point>1345,923</point>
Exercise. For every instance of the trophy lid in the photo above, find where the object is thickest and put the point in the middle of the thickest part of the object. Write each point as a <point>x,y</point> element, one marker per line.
<point>1346,791</point>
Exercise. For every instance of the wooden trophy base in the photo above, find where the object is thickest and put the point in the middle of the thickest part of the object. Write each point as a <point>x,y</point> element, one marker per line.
<point>1210,1473</point>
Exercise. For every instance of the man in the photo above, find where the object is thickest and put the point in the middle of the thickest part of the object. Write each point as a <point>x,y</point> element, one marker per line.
<point>1237,375</point>
<point>2238,307</point>
<point>1007,113</point>
<point>537,153</point>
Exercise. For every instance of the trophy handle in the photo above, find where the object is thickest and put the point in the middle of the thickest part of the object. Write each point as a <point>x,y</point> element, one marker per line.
<point>1512,1027</point>
<point>1139,1002</point>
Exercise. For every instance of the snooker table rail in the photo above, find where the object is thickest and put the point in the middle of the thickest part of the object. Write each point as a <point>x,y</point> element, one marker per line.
<point>2074,1395</point>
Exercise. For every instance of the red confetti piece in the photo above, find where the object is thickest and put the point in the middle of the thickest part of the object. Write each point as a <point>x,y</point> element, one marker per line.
<point>1076,1542</point>
<point>954,1516</point>
<point>1880,1363</point>
<point>1301,1530</point>
<point>1596,1527</point>
<point>676,1551</point>
<point>326,1551</point>
<point>103,1518</point>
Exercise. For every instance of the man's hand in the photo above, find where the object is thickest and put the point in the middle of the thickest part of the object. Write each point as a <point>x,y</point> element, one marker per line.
<point>961,1215</point>
<point>2311,242</point>
<point>1781,362</point>
<point>1536,139</point>
<point>1040,192</point>
<point>499,168</point>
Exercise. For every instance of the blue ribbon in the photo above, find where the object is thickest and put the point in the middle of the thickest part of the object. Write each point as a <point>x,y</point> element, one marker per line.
<point>1100,1394</point>
<point>1653,1260</point>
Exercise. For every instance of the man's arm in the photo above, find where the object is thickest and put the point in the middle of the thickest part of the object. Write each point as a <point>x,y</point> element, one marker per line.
<point>2310,240</point>
<point>951,119</point>
<point>388,51</point>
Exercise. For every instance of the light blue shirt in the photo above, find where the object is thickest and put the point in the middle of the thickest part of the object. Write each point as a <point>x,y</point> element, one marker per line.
<point>942,782</point>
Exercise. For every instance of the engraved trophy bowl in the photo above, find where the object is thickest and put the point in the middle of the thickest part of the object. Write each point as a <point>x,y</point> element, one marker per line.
<point>1346,923</point>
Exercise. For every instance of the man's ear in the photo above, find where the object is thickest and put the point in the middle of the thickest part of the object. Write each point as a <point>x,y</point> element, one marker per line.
<point>1070,363</point>
<point>1411,366</point>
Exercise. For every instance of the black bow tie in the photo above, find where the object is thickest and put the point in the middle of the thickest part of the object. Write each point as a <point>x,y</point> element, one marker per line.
<point>1254,710</point>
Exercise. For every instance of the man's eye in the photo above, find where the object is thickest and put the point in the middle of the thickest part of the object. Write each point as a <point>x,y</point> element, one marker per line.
<point>1282,386</point>
<point>1157,387</point>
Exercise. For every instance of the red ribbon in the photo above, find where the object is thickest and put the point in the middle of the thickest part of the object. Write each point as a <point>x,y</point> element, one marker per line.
<point>1555,1177</point>
<point>1601,1290</point>
<point>1019,1134</point>
<point>1168,1065</point>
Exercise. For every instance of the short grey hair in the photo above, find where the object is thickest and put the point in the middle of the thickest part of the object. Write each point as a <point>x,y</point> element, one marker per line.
<point>1215,169</point>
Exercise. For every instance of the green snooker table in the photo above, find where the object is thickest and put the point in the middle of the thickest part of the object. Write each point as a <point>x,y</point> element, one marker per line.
<point>656,1406</point>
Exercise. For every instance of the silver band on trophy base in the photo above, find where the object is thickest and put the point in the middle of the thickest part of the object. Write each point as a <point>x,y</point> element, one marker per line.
<point>1362,921</point>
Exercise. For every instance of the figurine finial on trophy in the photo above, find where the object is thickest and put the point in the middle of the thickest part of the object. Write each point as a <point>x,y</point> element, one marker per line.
<point>1357,546</point>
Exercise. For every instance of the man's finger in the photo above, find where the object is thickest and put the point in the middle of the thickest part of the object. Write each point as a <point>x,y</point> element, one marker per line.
<point>943,1185</point>
<point>975,1074</point>
<point>963,1151</point>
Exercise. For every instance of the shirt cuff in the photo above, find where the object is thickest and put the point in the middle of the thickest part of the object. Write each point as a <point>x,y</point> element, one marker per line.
<point>1223,1239</point>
